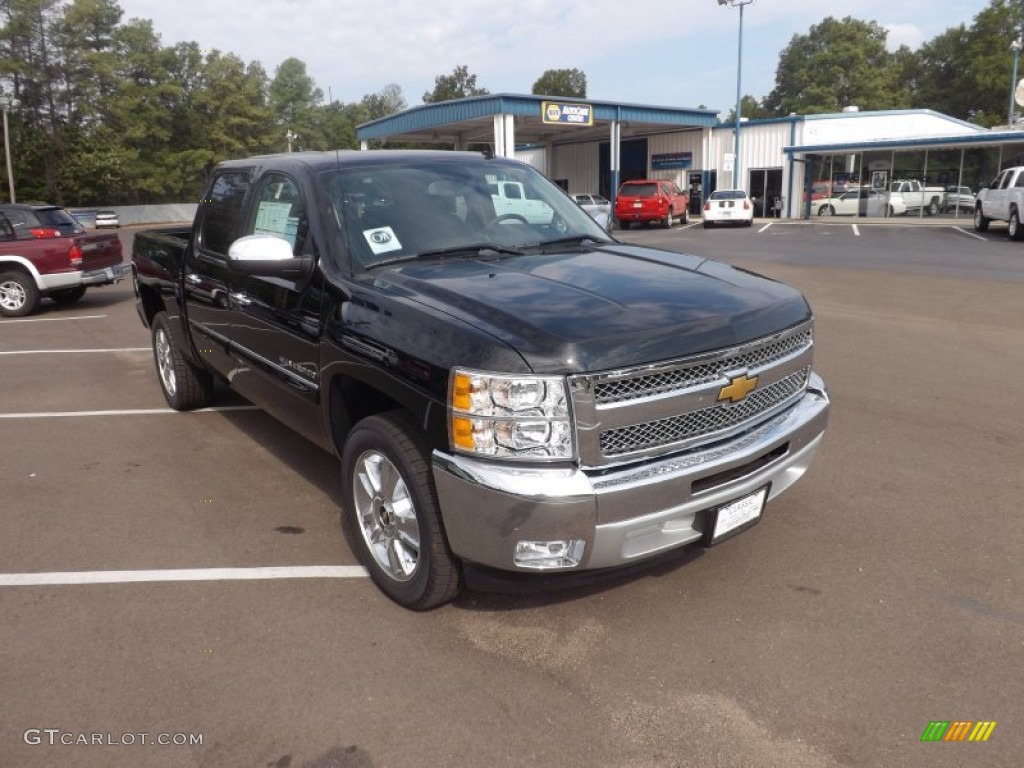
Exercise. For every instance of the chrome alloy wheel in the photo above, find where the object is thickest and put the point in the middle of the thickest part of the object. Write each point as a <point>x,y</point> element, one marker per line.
<point>386,515</point>
<point>12,295</point>
<point>165,362</point>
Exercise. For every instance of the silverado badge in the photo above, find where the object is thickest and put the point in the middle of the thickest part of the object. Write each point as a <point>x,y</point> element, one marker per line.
<point>737,388</point>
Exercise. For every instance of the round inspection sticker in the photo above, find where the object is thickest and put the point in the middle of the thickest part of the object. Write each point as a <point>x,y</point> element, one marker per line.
<point>382,240</point>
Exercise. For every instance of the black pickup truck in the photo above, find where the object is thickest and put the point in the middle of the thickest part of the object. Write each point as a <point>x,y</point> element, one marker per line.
<point>504,393</point>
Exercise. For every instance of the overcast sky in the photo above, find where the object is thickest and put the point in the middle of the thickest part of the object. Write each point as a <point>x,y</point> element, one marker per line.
<point>679,53</point>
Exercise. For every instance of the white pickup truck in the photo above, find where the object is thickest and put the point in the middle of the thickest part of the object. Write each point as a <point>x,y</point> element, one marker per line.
<point>510,199</point>
<point>917,196</point>
<point>1002,200</point>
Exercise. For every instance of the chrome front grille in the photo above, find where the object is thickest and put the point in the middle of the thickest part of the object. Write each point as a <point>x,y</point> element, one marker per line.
<point>654,409</point>
<point>635,388</point>
<point>705,423</point>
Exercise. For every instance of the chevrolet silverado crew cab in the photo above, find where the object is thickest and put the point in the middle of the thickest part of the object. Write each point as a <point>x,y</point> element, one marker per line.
<point>503,395</point>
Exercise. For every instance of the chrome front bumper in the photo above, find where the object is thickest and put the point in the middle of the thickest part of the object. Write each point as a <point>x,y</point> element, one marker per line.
<point>629,513</point>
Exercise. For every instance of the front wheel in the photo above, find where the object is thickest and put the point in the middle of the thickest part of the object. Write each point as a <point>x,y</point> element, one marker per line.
<point>185,387</point>
<point>826,210</point>
<point>392,515</point>
<point>686,216</point>
<point>981,221</point>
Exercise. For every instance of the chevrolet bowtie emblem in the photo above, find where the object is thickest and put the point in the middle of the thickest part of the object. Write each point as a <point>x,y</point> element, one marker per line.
<point>737,388</point>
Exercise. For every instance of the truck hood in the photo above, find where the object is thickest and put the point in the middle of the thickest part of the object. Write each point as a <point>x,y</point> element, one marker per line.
<point>601,308</point>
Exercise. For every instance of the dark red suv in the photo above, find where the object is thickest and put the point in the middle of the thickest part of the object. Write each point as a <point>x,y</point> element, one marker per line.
<point>651,200</point>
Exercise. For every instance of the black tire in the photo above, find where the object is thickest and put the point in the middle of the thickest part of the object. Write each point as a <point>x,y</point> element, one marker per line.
<point>669,221</point>
<point>1013,226</point>
<point>18,294</point>
<point>889,212</point>
<point>748,223</point>
<point>68,295</point>
<point>708,224</point>
<point>185,387</point>
<point>686,216</point>
<point>933,207</point>
<point>826,210</point>
<point>981,221</point>
<point>388,450</point>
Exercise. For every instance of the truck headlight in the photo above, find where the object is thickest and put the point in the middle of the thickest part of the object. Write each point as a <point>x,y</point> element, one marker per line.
<point>509,416</point>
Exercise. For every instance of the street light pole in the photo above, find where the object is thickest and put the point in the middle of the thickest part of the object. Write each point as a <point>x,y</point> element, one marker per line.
<point>1015,46</point>
<point>739,98</point>
<point>7,154</point>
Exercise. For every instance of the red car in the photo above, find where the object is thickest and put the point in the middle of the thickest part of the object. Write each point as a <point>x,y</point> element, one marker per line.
<point>45,252</point>
<point>651,200</point>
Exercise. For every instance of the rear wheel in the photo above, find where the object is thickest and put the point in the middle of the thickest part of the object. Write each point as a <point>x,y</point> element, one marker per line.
<point>670,220</point>
<point>185,387</point>
<point>981,221</point>
<point>826,210</point>
<point>68,296</point>
<point>18,294</point>
<point>392,515</point>
<point>933,207</point>
<point>708,224</point>
<point>1014,228</point>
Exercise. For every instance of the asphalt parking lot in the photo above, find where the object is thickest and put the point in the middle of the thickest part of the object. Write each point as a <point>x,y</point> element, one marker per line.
<point>880,594</point>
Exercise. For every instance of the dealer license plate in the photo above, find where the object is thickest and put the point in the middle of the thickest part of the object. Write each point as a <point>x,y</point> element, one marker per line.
<point>736,516</point>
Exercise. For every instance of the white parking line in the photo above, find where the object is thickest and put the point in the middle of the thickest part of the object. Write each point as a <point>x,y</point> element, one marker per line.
<point>856,231</point>
<point>762,229</point>
<point>136,412</point>
<point>184,574</point>
<point>970,234</point>
<point>52,319</point>
<point>73,351</point>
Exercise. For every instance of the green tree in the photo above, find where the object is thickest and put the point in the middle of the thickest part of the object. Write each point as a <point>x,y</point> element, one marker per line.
<point>837,64</point>
<point>561,82</point>
<point>458,85</point>
<point>294,103</point>
<point>750,108</point>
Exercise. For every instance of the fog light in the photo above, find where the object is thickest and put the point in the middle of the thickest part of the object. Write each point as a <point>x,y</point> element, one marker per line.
<point>565,553</point>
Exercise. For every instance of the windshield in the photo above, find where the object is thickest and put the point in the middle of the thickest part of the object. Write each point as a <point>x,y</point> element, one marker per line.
<point>389,212</point>
<point>638,190</point>
<point>728,194</point>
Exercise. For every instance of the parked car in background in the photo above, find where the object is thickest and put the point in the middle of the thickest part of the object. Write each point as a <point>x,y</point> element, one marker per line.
<point>728,206</point>
<point>917,196</point>
<point>861,202</point>
<point>1002,200</point>
<point>651,200</point>
<point>40,221</point>
<point>107,219</point>
<point>959,199</point>
<point>37,260</point>
<point>598,206</point>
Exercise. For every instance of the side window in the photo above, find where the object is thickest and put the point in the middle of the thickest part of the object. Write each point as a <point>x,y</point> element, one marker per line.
<point>1020,180</point>
<point>1005,181</point>
<point>6,229</point>
<point>281,211</point>
<point>512,192</point>
<point>222,211</point>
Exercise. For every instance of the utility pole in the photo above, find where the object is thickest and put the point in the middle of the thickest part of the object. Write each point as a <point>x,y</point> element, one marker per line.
<point>7,153</point>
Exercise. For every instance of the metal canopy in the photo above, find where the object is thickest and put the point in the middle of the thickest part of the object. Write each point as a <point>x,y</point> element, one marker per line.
<point>467,121</point>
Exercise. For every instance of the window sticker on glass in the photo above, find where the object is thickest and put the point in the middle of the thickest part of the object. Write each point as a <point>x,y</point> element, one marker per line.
<point>382,240</point>
<point>273,219</point>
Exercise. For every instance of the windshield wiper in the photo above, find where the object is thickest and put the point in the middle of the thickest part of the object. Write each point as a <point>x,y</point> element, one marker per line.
<point>477,249</point>
<point>573,240</point>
